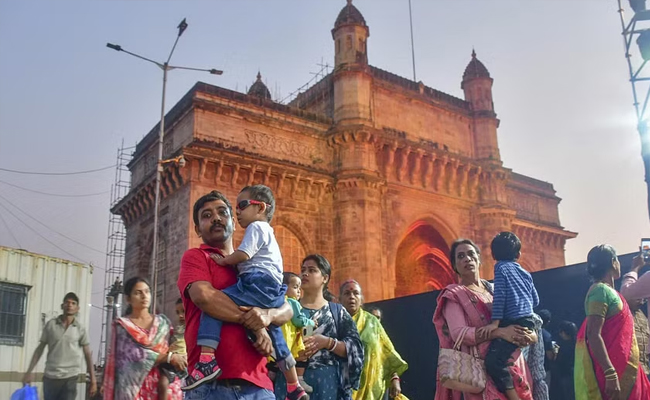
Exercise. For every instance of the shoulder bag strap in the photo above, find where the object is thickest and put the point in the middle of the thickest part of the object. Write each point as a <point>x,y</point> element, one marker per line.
<point>459,340</point>
<point>335,308</point>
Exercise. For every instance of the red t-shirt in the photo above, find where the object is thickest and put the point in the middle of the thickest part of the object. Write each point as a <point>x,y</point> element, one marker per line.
<point>235,355</point>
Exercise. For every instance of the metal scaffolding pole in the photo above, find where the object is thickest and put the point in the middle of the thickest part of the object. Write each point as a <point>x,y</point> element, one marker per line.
<point>637,30</point>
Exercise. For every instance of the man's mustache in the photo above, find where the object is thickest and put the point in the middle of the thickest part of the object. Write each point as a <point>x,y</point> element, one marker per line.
<point>216,224</point>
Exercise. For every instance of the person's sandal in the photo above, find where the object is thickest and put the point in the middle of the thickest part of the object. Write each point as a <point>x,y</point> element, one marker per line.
<point>298,394</point>
<point>203,373</point>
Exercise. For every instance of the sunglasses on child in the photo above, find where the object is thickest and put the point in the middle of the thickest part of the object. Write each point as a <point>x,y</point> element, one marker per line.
<point>245,203</point>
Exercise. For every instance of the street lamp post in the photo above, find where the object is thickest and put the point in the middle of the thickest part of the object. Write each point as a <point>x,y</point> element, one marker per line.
<point>161,135</point>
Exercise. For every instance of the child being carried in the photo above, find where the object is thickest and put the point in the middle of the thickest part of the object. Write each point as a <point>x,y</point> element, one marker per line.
<point>293,330</point>
<point>514,283</point>
<point>259,284</point>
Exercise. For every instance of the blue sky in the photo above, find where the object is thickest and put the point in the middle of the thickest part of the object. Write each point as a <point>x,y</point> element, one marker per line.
<point>561,91</point>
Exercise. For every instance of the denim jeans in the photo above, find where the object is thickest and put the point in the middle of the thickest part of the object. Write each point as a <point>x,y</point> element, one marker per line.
<point>257,289</point>
<point>216,391</point>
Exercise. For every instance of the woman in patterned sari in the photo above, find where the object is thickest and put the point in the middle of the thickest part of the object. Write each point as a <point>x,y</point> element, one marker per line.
<point>382,365</point>
<point>139,343</point>
<point>334,353</point>
<point>607,355</point>
<point>469,305</point>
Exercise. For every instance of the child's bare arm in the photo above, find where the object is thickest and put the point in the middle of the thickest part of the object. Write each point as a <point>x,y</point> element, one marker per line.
<point>233,259</point>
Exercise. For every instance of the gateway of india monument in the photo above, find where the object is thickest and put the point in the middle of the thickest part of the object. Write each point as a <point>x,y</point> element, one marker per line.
<point>375,171</point>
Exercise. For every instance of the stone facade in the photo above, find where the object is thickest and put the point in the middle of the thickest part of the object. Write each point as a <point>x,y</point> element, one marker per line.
<point>378,173</point>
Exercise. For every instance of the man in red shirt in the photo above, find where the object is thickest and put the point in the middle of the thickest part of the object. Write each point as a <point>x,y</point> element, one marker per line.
<point>243,364</point>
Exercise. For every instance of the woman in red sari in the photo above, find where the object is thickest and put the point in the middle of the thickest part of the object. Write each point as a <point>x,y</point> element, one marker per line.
<point>607,355</point>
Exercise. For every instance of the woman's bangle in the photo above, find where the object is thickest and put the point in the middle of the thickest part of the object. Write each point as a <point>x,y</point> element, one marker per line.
<point>334,343</point>
<point>610,374</point>
<point>169,356</point>
<point>394,378</point>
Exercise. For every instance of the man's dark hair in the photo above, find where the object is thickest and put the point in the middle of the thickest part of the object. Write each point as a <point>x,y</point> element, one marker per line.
<point>212,196</point>
<point>569,328</point>
<point>545,315</point>
<point>505,246</point>
<point>264,194</point>
<point>71,296</point>
<point>179,301</point>
<point>370,309</point>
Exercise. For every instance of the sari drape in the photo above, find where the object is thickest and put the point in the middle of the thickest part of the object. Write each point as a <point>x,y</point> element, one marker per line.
<point>475,313</point>
<point>381,360</point>
<point>131,372</point>
<point>620,342</point>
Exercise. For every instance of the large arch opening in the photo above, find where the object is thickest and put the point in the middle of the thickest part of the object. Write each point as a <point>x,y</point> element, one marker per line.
<point>422,262</point>
<point>293,252</point>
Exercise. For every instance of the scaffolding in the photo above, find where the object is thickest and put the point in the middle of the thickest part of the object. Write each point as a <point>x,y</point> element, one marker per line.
<point>115,250</point>
<point>637,29</point>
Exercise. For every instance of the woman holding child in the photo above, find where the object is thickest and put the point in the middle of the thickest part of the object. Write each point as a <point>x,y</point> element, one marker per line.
<point>607,355</point>
<point>139,344</point>
<point>468,306</point>
<point>382,365</point>
<point>334,352</point>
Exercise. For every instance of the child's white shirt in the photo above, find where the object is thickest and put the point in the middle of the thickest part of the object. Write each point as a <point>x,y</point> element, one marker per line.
<point>263,251</point>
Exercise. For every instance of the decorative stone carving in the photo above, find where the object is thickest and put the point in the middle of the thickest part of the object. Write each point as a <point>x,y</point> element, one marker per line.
<point>235,175</point>
<point>251,175</point>
<point>218,172</point>
<point>416,166</point>
<point>291,148</point>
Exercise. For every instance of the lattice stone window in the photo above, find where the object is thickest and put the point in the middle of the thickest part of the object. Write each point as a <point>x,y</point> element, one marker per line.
<point>13,309</point>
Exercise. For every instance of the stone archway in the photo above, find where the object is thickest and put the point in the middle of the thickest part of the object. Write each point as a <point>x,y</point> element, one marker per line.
<point>422,262</point>
<point>293,252</point>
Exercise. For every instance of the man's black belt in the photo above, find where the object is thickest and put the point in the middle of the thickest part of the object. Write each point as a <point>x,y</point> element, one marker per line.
<point>234,382</point>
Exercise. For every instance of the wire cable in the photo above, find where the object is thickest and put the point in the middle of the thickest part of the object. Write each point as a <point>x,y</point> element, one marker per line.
<point>52,229</point>
<point>10,231</point>
<point>54,194</point>
<point>57,173</point>
<point>75,258</point>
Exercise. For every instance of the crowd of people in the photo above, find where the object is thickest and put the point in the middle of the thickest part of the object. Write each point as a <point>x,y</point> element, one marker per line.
<point>246,329</point>
<point>601,360</point>
<point>251,330</point>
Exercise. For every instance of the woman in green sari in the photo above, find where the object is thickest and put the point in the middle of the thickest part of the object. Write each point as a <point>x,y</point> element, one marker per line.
<point>607,356</point>
<point>382,365</point>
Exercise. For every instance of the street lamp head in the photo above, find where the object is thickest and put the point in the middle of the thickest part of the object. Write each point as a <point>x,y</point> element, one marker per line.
<point>181,162</point>
<point>216,71</point>
<point>181,27</point>
<point>116,47</point>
